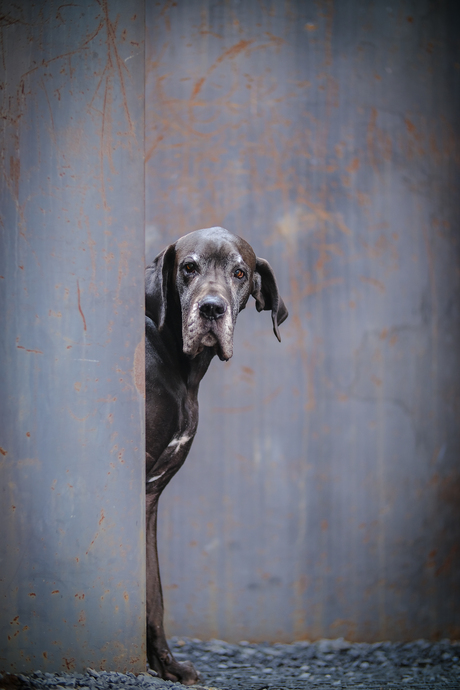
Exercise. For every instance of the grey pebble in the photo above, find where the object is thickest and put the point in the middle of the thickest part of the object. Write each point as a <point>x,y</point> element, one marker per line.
<point>247,666</point>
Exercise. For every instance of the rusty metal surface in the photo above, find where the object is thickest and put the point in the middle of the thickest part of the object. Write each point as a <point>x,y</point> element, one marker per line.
<point>71,280</point>
<point>321,496</point>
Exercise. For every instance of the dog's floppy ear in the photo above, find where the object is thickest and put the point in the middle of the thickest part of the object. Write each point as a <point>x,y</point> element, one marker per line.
<point>157,281</point>
<point>266,295</point>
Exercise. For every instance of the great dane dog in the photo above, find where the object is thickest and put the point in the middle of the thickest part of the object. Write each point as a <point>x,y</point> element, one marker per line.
<point>194,290</point>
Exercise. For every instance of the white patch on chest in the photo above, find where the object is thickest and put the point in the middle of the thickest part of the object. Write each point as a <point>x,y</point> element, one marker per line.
<point>179,442</point>
<point>152,479</point>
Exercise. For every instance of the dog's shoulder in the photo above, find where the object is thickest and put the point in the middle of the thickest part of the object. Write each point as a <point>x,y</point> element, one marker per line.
<point>163,362</point>
<point>158,350</point>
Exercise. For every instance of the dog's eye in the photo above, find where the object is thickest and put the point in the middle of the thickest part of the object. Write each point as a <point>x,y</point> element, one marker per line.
<point>190,268</point>
<point>239,273</point>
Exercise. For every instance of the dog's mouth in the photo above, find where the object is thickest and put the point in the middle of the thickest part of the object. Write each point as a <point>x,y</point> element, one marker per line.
<point>222,347</point>
<point>209,340</point>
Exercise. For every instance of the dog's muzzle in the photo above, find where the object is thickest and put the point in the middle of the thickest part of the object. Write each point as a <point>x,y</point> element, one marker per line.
<point>209,323</point>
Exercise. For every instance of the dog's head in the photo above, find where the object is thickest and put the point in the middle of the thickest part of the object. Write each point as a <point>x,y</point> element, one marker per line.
<point>209,275</point>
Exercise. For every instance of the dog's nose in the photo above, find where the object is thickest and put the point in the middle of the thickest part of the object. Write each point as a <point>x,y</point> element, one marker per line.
<point>212,307</point>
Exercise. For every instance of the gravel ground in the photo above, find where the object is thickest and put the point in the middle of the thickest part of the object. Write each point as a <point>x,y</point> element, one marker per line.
<point>244,666</point>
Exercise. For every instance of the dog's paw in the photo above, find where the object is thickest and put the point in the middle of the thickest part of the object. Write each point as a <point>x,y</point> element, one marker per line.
<point>167,667</point>
<point>183,672</point>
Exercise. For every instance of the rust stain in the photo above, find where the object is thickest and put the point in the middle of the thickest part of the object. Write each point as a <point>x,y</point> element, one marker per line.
<point>375,283</point>
<point>138,370</point>
<point>3,451</point>
<point>446,565</point>
<point>410,126</point>
<point>228,54</point>
<point>123,266</point>
<point>197,88</point>
<point>235,50</point>
<point>28,462</point>
<point>449,488</point>
<point>79,306</point>
<point>15,174</point>
<point>234,410</point>
<point>315,288</point>
<point>21,347</point>
<point>175,116</point>
<point>432,278</point>
<point>79,419</point>
<point>114,69</point>
<point>379,142</point>
<point>51,119</point>
<point>354,166</point>
<point>272,396</point>
<point>114,66</point>
<point>297,222</point>
<point>92,543</point>
<point>108,399</point>
<point>372,138</point>
<point>93,255</point>
<point>332,248</point>
<point>167,21</point>
<point>334,218</point>
<point>415,140</point>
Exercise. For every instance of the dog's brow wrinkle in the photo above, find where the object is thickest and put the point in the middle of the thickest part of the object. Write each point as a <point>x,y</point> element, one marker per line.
<point>191,257</point>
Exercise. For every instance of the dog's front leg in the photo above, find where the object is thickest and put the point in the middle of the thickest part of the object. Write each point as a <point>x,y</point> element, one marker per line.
<point>158,653</point>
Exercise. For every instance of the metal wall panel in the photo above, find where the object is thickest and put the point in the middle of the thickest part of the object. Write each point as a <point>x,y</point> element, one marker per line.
<point>72,567</point>
<point>321,496</point>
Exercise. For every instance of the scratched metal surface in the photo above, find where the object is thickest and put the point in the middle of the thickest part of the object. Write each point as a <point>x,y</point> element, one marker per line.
<point>321,496</point>
<point>71,280</point>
